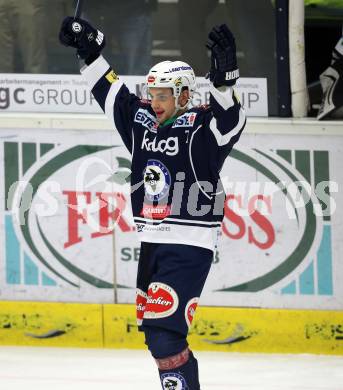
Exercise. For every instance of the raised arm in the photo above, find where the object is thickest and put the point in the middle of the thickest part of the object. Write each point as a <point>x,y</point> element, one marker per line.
<point>112,95</point>
<point>228,119</point>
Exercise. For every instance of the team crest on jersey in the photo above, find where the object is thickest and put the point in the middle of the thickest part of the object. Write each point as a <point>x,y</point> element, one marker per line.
<point>185,120</point>
<point>162,301</point>
<point>190,310</point>
<point>146,120</point>
<point>157,180</point>
<point>173,381</point>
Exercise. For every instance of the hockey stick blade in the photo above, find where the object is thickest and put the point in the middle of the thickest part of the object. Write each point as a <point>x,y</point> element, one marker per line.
<point>78,9</point>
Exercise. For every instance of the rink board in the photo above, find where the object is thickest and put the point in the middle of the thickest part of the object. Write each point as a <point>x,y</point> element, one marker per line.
<point>279,246</point>
<point>46,324</point>
<point>213,328</point>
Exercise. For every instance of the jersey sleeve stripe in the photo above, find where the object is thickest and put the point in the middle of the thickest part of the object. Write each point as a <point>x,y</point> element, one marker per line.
<point>95,71</point>
<point>224,97</point>
<point>217,134</point>
<point>223,139</point>
<point>233,132</point>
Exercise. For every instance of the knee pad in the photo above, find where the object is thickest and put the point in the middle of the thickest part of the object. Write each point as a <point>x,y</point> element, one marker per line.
<point>163,343</point>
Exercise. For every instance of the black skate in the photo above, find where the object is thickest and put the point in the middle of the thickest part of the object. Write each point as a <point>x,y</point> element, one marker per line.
<point>331,81</point>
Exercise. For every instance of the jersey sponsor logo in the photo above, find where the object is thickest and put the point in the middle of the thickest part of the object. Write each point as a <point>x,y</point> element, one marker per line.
<point>140,227</point>
<point>185,120</point>
<point>169,146</point>
<point>111,77</point>
<point>141,298</point>
<point>157,180</point>
<point>146,120</point>
<point>190,310</point>
<point>173,381</point>
<point>162,301</point>
<point>155,212</point>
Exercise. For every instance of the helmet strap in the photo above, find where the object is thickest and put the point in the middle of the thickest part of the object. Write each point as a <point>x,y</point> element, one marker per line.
<point>177,105</point>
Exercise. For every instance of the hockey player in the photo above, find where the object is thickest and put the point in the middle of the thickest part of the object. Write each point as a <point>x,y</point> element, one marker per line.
<point>177,200</point>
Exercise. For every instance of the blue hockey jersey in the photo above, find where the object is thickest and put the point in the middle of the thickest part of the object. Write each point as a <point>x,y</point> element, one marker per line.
<point>176,195</point>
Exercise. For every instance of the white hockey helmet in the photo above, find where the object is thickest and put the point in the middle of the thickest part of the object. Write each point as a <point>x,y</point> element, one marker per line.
<point>172,74</point>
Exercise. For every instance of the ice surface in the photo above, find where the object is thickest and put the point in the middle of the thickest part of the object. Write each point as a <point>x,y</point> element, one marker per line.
<point>27,368</point>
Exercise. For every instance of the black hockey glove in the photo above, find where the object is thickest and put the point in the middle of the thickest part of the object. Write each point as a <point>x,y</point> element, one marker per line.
<point>222,44</point>
<point>78,33</point>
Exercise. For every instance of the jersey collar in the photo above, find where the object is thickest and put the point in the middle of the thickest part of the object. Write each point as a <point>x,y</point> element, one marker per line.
<point>168,121</point>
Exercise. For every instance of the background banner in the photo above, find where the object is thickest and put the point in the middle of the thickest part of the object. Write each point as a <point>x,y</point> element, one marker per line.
<point>62,191</point>
<point>70,93</point>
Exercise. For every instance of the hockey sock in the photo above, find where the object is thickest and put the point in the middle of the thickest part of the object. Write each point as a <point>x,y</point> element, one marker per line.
<point>179,372</point>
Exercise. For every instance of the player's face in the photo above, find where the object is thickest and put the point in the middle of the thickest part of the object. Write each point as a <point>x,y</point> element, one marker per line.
<point>162,102</point>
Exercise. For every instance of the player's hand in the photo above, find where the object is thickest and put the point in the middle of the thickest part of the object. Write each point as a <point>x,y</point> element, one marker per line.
<point>78,33</point>
<point>222,45</point>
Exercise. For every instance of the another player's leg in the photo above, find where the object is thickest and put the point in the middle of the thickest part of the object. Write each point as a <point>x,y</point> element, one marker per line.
<point>331,81</point>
